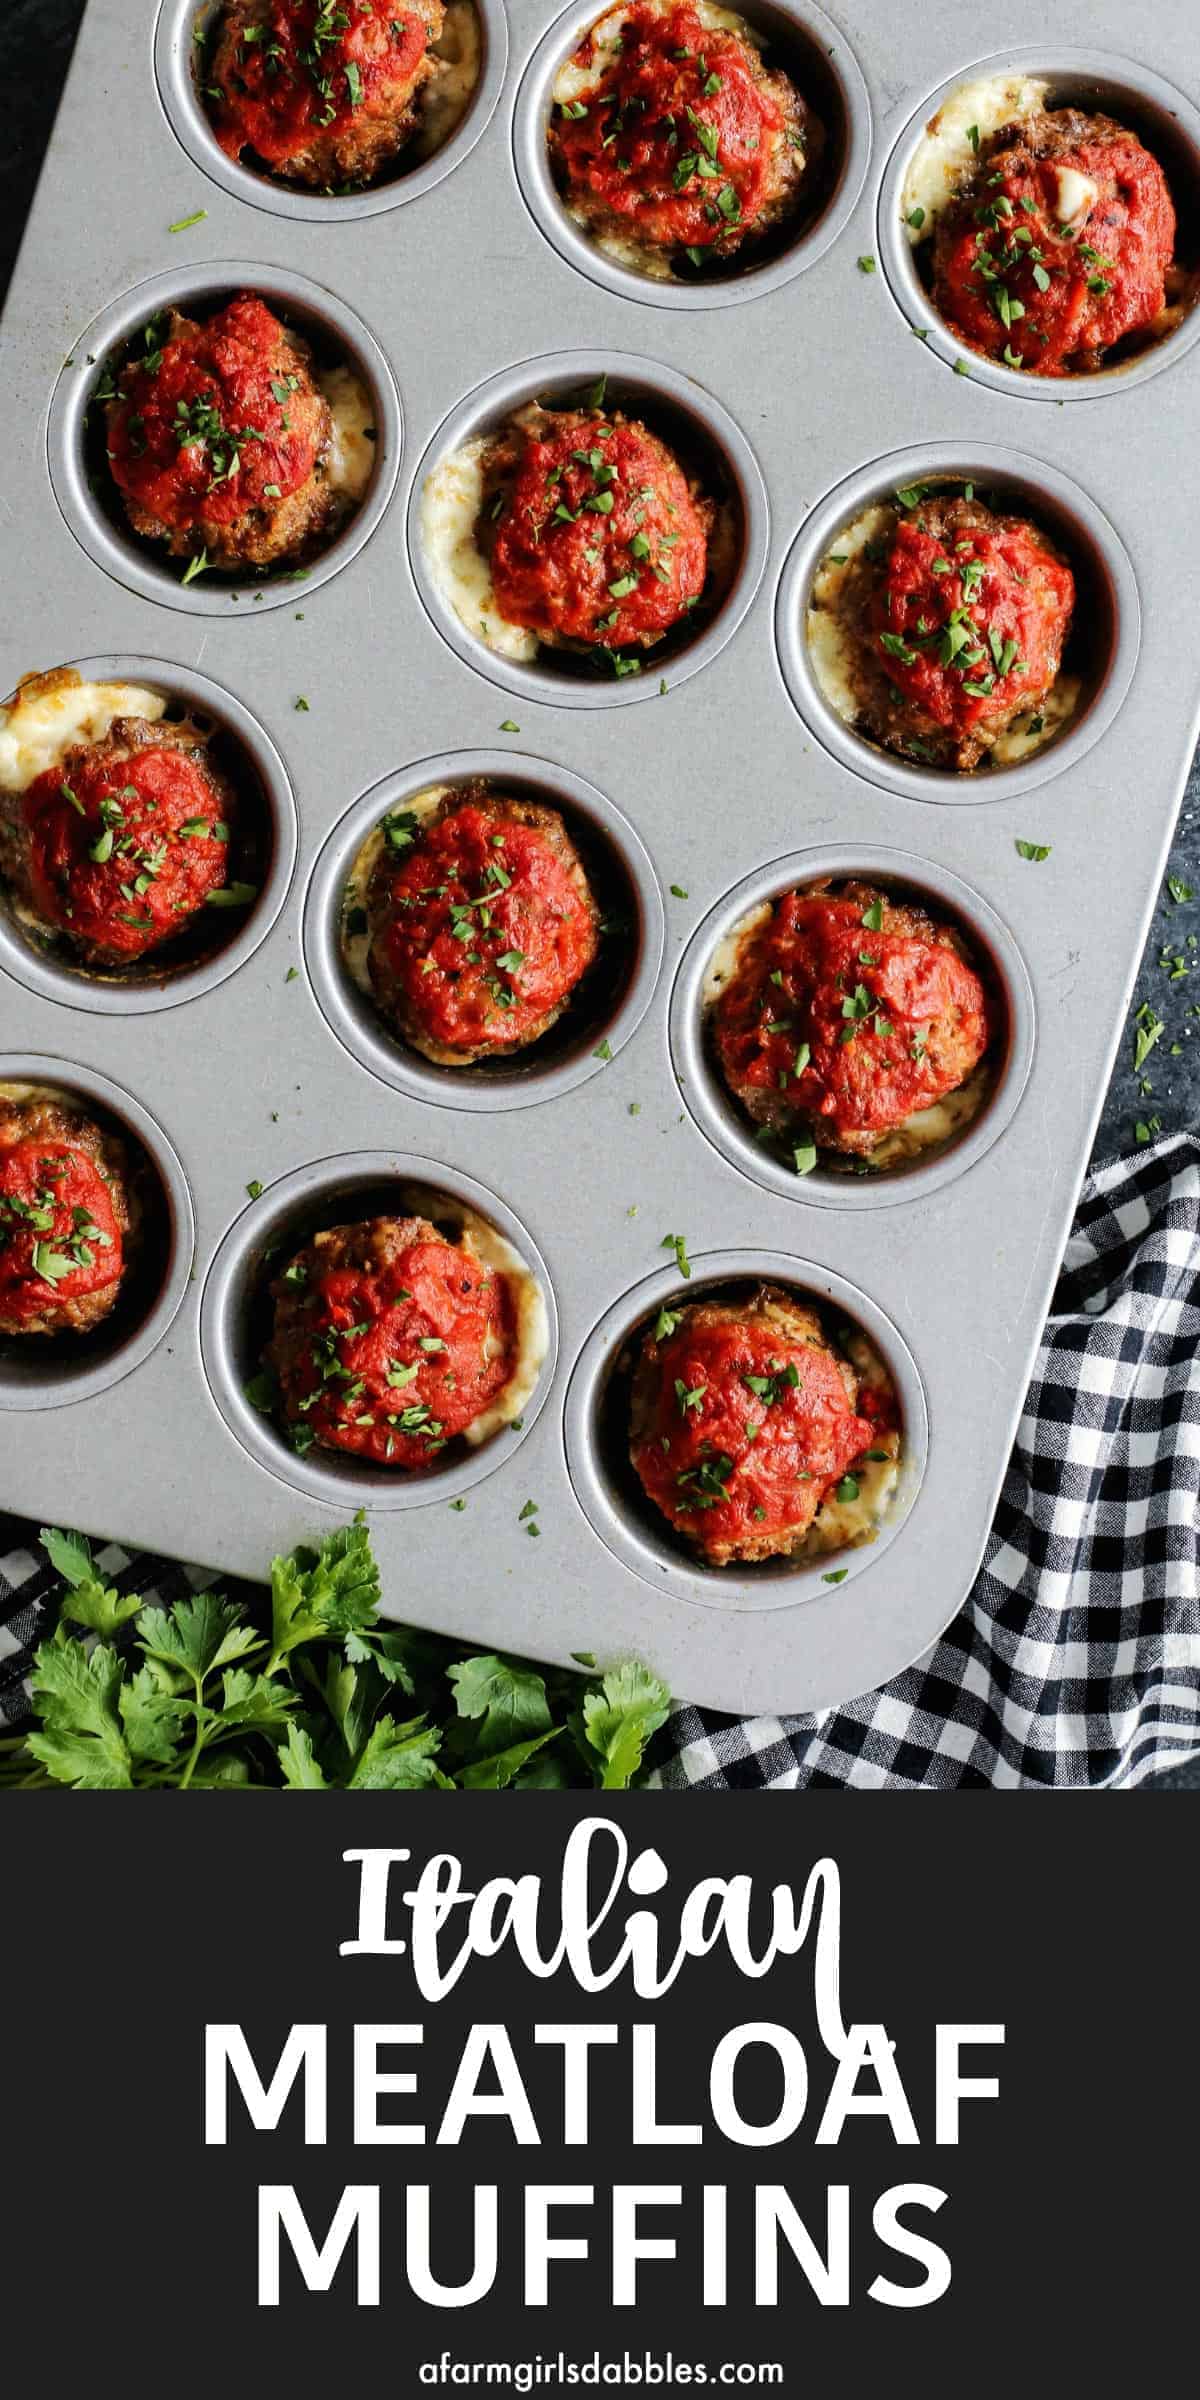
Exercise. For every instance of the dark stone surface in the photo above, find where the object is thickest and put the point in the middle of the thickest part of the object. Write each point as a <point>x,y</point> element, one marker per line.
<point>36,38</point>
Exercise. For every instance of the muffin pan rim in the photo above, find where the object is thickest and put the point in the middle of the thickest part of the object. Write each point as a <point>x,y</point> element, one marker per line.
<point>394,1062</point>
<point>74,1080</point>
<point>771,1587</point>
<point>134,563</point>
<point>91,994</point>
<point>904,285</point>
<point>256,1433</point>
<point>716,1113</point>
<point>954,462</point>
<point>189,123</point>
<point>509,389</point>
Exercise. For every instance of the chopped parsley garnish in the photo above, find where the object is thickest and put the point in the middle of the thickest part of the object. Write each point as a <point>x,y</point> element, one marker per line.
<point>678,1243</point>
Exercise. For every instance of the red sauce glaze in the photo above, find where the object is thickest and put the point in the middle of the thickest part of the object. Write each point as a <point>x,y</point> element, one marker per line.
<point>151,874</point>
<point>531,933</point>
<point>54,1209</point>
<point>685,162</point>
<point>367,1327</point>
<point>204,435</point>
<point>316,68</point>
<point>702,1468</point>
<point>860,1004</point>
<point>1102,279</point>
<point>601,540</point>
<point>985,633</point>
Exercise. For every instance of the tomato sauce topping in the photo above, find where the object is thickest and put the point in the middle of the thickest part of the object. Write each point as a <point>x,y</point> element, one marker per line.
<point>844,1020</point>
<point>1026,288</point>
<point>971,627</point>
<point>677,135</point>
<point>404,1356</point>
<point>749,1431</point>
<point>308,68</point>
<point>122,855</point>
<point>601,540</point>
<point>488,930</point>
<point>201,431</point>
<point>59,1235</point>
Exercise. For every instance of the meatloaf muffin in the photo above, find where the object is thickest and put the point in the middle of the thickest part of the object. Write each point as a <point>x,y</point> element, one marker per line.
<point>1056,250</point>
<point>118,844</point>
<point>945,629</point>
<point>218,440</point>
<point>744,1421</point>
<point>670,140</point>
<point>66,1217</point>
<point>322,92</point>
<point>846,1016</point>
<point>389,1341</point>
<point>481,925</point>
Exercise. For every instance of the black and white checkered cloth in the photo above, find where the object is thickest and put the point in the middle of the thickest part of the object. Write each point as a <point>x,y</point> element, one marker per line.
<point>1076,1659</point>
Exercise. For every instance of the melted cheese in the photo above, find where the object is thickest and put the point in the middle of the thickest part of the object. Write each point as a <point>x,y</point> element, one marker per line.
<point>448,95</point>
<point>847,1524</point>
<point>1077,194</point>
<point>945,155</point>
<point>532,1324</point>
<point>451,504</point>
<point>831,651</point>
<point>350,460</point>
<point>49,714</point>
<point>829,648</point>
<point>931,1128</point>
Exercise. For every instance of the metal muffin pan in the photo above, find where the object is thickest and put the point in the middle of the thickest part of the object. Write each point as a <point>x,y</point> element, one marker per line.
<point>174,65</point>
<point>719,781</point>
<point>805,42</point>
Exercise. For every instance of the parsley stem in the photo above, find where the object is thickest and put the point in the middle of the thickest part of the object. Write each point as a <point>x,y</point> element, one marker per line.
<point>201,1734</point>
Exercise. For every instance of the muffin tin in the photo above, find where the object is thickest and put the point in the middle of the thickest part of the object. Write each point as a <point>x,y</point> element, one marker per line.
<point>266,1070</point>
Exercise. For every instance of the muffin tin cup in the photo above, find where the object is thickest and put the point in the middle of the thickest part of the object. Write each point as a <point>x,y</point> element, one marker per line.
<point>38,1373</point>
<point>112,545</point>
<point>638,385</point>
<point>1092,545</point>
<point>812,38</point>
<point>53,978</point>
<point>636,1534</point>
<point>330,1192</point>
<point>506,1084</point>
<point>728,1127</point>
<point>189,122</point>
<point>1097,79</point>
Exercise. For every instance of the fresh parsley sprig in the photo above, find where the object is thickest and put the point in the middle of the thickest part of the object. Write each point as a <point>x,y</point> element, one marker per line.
<point>310,1692</point>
